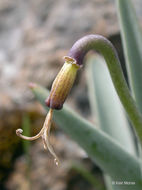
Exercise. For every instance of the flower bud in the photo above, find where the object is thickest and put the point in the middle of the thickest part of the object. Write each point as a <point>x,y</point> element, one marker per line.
<point>62,84</point>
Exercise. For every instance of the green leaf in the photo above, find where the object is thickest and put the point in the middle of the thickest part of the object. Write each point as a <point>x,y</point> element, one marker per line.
<point>105,104</point>
<point>132,44</point>
<point>106,107</point>
<point>103,150</point>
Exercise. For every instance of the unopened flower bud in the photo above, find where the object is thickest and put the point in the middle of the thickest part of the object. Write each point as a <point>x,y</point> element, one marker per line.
<point>62,84</point>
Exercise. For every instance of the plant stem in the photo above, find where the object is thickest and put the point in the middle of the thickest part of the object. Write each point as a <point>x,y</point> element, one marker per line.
<point>131,35</point>
<point>103,46</point>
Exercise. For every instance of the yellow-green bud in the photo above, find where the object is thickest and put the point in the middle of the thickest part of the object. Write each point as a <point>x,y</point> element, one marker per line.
<point>62,84</point>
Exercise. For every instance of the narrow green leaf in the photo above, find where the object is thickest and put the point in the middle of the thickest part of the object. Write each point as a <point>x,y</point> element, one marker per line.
<point>105,104</point>
<point>106,107</point>
<point>132,44</point>
<point>106,152</point>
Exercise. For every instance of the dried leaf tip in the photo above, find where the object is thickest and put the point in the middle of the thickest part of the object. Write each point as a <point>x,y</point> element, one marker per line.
<point>32,85</point>
<point>44,134</point>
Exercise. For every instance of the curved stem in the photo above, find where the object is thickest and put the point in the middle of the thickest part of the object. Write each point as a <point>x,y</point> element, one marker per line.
<point>103,46</point>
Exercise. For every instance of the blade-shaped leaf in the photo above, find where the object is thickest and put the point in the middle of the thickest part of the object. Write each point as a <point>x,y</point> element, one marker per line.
<point>106,152</point>
<point>132,44</point>
<point>106,107</point>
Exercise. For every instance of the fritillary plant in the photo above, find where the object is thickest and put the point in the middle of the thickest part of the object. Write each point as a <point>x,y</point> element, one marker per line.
<point>112,146</point>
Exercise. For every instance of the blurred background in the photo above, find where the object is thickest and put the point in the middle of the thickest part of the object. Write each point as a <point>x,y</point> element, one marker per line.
<point>34,36</point>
